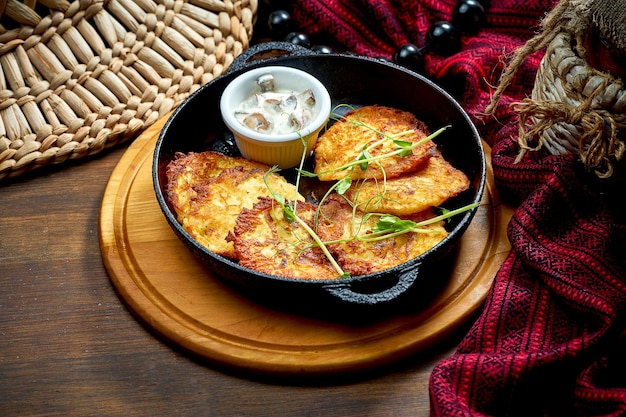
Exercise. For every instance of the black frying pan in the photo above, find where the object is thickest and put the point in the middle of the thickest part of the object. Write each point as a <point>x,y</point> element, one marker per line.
<point>196,125</point>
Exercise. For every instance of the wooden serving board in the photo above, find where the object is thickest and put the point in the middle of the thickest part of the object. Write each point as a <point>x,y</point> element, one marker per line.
<point>168,289</point>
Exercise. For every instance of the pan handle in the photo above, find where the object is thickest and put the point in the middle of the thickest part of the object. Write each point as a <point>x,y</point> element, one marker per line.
<point>268,51</point>
<point>347,291</point>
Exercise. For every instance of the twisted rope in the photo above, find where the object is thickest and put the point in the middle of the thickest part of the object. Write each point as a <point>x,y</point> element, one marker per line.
<point>573,108</point>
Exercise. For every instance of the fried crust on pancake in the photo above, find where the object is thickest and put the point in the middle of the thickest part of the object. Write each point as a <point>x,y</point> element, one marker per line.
<point>429,187</point>
<point>207,207</point>
<point>188,174</point>
<point>344,141</point>
<point>359,257</point>
<point>265,242</point>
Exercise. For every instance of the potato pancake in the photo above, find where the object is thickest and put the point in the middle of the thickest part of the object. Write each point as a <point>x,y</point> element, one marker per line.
<point>188,174</point>
<point>429,187</point>
<point>344,141</point>
<point>227,204</point>
<point>265,242</point>
<point>208,194</point>
<point>358,257</point>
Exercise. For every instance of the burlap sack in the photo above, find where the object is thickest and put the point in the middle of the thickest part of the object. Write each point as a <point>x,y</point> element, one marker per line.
<point>574,106</point>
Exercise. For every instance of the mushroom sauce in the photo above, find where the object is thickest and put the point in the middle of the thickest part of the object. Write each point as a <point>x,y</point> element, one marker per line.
<point>270,111</point>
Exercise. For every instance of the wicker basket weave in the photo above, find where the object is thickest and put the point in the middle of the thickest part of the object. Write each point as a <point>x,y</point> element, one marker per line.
<point>576,109</point>
<point>81,76</point>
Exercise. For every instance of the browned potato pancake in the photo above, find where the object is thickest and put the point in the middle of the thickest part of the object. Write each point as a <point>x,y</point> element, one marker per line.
<point>189,173</point>
<point>208,194</point>
<point>266,242</point>
<point>429,187</point>
<point>337,222</point>
<point>344,141</point>
<point>225,203</point>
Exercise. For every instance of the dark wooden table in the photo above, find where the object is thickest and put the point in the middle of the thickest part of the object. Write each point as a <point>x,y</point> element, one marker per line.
<point>69,346</point>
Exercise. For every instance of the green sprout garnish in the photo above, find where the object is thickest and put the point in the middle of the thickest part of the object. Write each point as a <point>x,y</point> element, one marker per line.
<point>365,158</point>
<point>388,225</point>
<point>289,214</point>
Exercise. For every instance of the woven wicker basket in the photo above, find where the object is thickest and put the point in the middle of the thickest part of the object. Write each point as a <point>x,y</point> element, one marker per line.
<point>578,109</point>
<point>81,76</point>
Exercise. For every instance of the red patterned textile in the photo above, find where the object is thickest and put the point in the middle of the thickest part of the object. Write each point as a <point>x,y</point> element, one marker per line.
<point>551,338</point>
<point>378,28</point>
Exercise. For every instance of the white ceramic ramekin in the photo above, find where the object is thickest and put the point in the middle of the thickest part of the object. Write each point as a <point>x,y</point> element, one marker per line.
<point>283,150</point>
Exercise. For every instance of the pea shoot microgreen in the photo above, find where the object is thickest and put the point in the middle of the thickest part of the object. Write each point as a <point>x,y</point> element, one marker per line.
<point>390,226</point>
<point>387,226</point>
<point>289,214</point>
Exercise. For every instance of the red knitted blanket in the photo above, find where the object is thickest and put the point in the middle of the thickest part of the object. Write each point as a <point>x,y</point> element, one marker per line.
<point>551,339</point>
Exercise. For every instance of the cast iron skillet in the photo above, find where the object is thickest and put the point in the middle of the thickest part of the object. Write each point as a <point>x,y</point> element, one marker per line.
<point>196,126</point>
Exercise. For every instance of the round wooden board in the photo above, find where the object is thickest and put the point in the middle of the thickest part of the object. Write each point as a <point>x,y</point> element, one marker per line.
<point>167,288</point>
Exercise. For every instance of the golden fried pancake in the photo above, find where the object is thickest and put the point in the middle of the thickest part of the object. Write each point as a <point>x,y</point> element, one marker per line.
<point>265,242</point>
<point>358,257</point>
<point>189,173</point>
<point>429,187</point>
<point>345,140</point>
<point>208,195</point>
